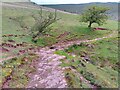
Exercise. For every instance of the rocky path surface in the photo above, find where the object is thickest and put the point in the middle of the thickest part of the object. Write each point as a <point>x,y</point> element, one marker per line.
<point>61,46</point>
<point>49,74</point>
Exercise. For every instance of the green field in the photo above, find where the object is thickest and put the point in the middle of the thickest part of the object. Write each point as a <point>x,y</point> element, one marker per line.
<point>15,21</point>
<point>101,69</point>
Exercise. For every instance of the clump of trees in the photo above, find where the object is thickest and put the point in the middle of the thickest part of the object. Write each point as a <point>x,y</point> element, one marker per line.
<point>42,24</point>
<point>94,14</point>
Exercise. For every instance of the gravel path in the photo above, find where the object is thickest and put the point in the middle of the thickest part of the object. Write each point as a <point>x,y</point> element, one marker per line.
<point>49,74</point>
<point>61,46</point>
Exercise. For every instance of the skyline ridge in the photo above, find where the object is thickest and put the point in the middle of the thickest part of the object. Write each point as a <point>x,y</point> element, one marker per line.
<point>70,1</point>
<point>80,3</point>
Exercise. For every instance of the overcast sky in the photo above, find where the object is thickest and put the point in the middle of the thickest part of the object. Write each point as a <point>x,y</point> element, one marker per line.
<point>70,1</point>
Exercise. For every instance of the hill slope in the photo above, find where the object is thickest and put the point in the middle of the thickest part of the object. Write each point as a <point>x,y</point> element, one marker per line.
<point>61,54</point>
<point>79,8</point>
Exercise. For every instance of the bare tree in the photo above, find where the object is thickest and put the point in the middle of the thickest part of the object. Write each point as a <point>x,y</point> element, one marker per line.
<point>42,23</point>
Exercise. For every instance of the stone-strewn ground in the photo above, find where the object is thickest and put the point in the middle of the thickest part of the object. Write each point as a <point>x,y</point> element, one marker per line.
<point>49,74</point>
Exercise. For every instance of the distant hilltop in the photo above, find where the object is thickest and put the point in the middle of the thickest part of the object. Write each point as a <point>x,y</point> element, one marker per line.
<point>15,0</point>
<point>79,8</point>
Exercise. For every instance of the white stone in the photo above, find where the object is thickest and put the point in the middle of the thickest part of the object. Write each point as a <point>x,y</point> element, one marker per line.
<point>62,86</point>
<point>36,77</point>
<point>49,82</point>
<point>36,85</point>
<point>39,69</point>
<point>42,81</point>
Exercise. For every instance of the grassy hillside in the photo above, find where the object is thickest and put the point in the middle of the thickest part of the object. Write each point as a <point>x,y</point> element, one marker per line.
<point>19,21</point>
<point>100,68</point>
<point>79,8</point>
<point>16,26</point>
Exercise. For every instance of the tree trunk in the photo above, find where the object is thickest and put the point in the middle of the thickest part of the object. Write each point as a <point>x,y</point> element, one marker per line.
<point>90,24</point>
<point>34,37</point>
